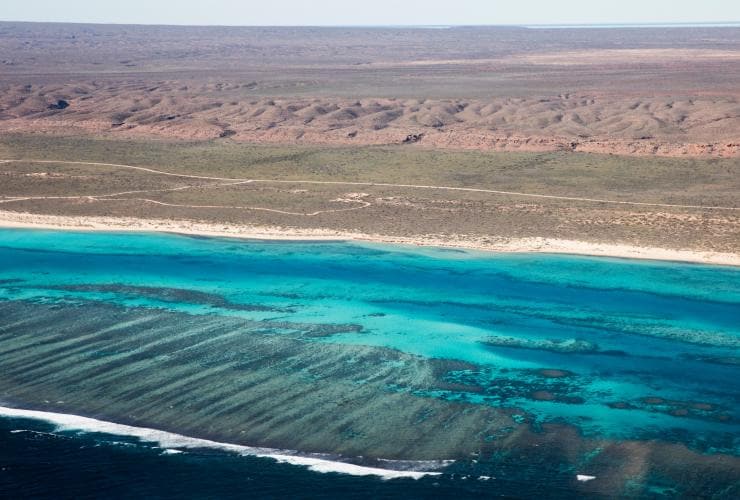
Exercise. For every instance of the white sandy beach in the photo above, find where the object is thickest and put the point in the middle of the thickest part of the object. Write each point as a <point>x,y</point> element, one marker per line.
<point>10,219</point>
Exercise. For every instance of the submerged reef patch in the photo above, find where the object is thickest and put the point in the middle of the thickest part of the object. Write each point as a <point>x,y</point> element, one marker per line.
<point>395,355</point>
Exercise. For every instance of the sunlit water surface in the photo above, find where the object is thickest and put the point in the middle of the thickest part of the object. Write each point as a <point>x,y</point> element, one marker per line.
<point>381,352</point>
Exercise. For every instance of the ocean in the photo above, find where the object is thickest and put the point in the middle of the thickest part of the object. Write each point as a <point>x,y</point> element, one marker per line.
<point>166,365</point>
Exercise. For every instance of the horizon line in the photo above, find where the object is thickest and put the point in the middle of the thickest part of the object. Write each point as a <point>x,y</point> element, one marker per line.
<point>648,24</point>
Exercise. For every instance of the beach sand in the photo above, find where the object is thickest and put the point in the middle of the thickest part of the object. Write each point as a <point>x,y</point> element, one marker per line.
<point>493,244</point>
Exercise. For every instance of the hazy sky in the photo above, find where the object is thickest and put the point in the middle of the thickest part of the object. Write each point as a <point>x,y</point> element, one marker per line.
<point>370,12</point>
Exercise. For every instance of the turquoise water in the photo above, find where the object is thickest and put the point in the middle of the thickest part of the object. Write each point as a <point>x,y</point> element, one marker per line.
<point>616,349</point>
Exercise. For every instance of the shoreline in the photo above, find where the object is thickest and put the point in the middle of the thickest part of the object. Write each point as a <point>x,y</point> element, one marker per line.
<point>25,220</point>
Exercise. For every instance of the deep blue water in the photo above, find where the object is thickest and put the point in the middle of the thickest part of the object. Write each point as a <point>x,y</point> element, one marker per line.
<point>617,350</point>
<point>36,461</point>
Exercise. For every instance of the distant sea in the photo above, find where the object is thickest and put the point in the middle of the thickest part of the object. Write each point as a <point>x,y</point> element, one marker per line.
<point>561,26</point>
<point>635,25</point>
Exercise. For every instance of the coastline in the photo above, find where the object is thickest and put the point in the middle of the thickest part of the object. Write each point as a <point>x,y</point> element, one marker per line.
<point>24,220</point>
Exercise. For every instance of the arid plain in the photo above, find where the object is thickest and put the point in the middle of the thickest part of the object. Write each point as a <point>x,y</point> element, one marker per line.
<point>607,141</point>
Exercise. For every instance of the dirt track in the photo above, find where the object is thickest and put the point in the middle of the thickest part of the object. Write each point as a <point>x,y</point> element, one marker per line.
<point>236,182</point>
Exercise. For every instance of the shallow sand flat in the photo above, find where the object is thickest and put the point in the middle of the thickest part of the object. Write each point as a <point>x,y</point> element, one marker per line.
<point>521,245</point>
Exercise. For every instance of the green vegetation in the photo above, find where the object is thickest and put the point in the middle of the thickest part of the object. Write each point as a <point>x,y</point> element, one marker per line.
<point>389,210</point>
<point>688,181</point>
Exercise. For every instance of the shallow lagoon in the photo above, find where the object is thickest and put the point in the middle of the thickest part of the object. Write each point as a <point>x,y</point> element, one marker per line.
<point>380,351</point>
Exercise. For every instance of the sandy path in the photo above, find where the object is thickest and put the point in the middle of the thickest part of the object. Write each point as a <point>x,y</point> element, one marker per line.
<point>473,242</point>
<point>383,184</point>
<point>116,196</point>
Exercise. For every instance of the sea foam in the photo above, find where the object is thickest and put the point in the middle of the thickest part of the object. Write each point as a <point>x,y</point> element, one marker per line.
<point>171,442</point>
